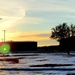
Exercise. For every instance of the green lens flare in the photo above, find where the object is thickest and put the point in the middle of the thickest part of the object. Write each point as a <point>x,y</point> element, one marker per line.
<point>10,54</point>
<point>5,48</point>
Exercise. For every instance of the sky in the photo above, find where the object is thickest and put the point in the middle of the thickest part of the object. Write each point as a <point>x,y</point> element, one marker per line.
<point>32,20</point>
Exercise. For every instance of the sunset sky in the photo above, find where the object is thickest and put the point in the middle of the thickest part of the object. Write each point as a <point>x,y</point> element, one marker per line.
<point>32,20</point>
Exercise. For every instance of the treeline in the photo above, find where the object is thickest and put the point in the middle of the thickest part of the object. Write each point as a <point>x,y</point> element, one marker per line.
<point>49,49</point>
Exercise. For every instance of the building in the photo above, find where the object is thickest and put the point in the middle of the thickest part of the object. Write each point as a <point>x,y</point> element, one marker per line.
<point>21,46</point>
<point>68,43</point>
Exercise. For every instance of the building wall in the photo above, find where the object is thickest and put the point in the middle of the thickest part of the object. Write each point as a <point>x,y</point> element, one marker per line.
<point>68,43</point>
<point>21,46</point>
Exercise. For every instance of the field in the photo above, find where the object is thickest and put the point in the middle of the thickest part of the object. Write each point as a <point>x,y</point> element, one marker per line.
<point>44,63</point>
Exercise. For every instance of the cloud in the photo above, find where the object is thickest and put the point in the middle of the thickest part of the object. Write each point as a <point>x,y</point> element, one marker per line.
<point>8,22</point>
<point>33,36</point>
<point>43,35</point>
<point>14,17</point>
<point>38,5</point>
<point>30,20</point>
<point>11,11</point>
<point>42,38</point>
<point>51,5</point>
<point>14,12</point>
<point>11,8</point>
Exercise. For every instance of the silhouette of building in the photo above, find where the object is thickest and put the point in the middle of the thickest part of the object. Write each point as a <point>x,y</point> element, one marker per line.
<point>68,43</point>
<point>21,46</point>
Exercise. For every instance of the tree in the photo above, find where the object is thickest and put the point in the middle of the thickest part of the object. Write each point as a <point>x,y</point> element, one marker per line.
<point>63,31</point>
<point>60,32</point>
<point>72,30</point>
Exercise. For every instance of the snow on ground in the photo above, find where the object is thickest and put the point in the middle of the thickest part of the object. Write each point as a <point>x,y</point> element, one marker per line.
<point>41,59</point>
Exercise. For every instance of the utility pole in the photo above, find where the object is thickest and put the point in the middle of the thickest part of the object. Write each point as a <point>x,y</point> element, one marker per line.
<point>4,34</point>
